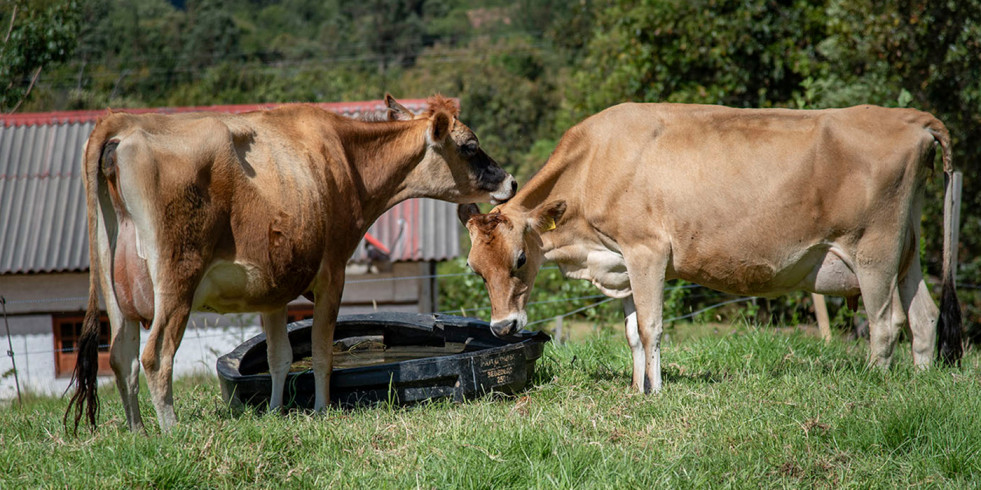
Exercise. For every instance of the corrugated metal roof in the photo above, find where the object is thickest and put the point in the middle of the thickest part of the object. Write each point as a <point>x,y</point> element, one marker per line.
<point>42,205</point>
<point>355,110</point>
<point>417,229</point>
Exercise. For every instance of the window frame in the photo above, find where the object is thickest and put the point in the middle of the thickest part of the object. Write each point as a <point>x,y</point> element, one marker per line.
<point>295,313</point>
<point>65,360</point>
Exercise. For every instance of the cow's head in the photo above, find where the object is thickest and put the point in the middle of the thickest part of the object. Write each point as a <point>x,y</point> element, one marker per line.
<point>506,251</point>
<point>473,176</point>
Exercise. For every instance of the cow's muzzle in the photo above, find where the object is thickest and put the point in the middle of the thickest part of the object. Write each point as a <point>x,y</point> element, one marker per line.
<point>506,191</point>
<point>508,326</point>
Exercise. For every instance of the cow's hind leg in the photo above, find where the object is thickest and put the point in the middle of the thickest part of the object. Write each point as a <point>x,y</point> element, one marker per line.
<point>633,340</point>
<point>883,304</point>
<point>124,357</point>
<point>922,313</point>
<point>169,322</point>
<point>278,352</point>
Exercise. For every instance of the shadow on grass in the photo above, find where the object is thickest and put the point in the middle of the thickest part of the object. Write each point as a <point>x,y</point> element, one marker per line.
<point>669,374</point>
<point>758,353</point>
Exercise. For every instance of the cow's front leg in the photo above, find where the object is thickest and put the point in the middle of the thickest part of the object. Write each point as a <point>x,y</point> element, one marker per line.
<point>633,340</point>
<point>278,352</point>
<point>327,301</point>
<point>646,267</point>
<point>650,334</point>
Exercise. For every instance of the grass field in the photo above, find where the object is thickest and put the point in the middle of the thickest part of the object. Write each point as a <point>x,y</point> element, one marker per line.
<point>754,407</point>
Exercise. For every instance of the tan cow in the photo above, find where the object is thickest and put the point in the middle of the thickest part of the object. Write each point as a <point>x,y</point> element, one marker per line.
<point>240,213</point>
<point>752,202</point>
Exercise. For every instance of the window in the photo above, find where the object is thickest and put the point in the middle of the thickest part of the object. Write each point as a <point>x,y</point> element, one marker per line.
<point>67,330</point>
<point>299,312</point>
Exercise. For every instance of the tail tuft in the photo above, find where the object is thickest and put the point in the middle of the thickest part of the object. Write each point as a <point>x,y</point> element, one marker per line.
<point>949,344</point>
<point>85,400</point>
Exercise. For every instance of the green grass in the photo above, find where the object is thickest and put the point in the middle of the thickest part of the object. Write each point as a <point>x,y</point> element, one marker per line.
<point>750,408</point>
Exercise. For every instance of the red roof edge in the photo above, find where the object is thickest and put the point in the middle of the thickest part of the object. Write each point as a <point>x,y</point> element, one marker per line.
<point>69,117</point>
<point>376,243</point>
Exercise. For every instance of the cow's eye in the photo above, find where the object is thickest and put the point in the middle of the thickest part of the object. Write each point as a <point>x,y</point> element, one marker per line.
<point>469,148</point>
<point>521,260</point>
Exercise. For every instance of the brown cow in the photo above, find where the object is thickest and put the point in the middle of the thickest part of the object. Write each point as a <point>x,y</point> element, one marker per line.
<point>752,202</point>
<point>237,213</point>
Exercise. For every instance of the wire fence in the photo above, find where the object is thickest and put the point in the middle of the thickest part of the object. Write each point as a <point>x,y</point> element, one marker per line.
<point>227,330</point>
<point>75,299</point>
<point>464,311</point>
<point>552,318</point>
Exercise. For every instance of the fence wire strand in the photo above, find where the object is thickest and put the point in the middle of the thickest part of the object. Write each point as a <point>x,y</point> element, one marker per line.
<point>443,312</point>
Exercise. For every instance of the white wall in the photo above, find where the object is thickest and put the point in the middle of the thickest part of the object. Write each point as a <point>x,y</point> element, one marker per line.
<point>34,355</point>
<point>208,336</point>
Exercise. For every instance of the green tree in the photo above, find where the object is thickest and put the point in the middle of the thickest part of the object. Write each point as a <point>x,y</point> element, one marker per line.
<point>37,33</point>
<point>505,97</point>
<point>211,35</point>
<point>748,54</point>
<point>392,31</point>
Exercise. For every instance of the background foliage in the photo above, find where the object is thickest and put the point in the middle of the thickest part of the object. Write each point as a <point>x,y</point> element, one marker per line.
<point>36,34</point>
<point>525,70</point>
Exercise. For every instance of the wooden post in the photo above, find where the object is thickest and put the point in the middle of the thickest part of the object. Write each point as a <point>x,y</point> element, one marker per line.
<point>10,350</point>
<point>558,330</point>
<point>428,288</point>
<point>821,311</point>
<point>955,189</point>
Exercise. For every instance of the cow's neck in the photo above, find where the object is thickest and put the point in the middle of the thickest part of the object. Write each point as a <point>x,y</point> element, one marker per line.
<point>556,180</point>
<point>559,179</point>
<point>381,156</point>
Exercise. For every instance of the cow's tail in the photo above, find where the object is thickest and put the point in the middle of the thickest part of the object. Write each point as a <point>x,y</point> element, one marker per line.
<point>85,399</point>
<point>949,344</point>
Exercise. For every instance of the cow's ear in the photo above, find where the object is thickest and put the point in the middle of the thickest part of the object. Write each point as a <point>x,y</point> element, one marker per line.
<point>396,111</point>
<point>441,123</point>
<point>466,211</point>
<point>546,217</point>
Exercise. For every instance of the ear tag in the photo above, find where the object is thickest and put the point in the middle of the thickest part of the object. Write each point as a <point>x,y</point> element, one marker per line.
<point>549,223</point>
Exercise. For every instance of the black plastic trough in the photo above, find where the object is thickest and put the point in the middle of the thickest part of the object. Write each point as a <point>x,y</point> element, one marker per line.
<point>397,357</point>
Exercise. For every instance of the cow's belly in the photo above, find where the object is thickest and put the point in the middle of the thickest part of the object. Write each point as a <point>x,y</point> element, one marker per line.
<point>822,268</point>
<point>238,287</point>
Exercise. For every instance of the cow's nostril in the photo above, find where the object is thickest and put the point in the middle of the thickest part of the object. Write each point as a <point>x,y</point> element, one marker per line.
<point>514,186</point>
<point>503,328</point>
